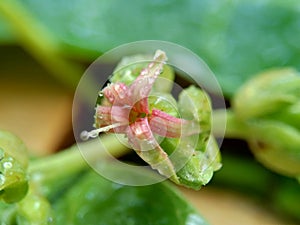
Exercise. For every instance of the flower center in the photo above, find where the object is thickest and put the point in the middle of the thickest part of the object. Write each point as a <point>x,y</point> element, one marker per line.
<point>134,115</point>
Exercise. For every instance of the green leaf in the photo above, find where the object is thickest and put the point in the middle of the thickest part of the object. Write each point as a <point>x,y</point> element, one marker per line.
<point>95,200</point>
<point>236,38</point>
<point>7,214</point>
<point>286,199</point>
<point>6,34</point>
<point>258,36</point>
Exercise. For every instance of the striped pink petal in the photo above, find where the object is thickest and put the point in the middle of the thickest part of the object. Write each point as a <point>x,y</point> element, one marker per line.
<point>143,142</point>
<point>106,115</point>
<point>116,93</point>
<point>140,89</point>
<point>166,125</point>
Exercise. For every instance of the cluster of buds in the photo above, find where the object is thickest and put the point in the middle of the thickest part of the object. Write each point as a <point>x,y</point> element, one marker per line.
<point>268,106</point>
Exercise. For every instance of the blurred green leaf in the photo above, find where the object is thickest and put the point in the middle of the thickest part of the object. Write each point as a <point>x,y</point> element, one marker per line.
<point>260,35</point>
<point>6,35</point>
<point>235,38</point>
<point>99,201</point>
<point>8,213</point>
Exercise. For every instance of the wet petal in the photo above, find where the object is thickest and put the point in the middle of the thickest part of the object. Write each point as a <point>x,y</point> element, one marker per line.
<point>116,93</point>
<point>143,142</point>
<point>166,125</point>
<point>141,87</point>
<point>106,116</point>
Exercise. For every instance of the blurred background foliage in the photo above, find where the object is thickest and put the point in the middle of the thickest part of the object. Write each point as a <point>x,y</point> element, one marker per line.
<point>236,38</point>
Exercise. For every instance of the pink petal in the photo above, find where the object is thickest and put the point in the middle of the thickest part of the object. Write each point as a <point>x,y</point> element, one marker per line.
<point>166,125</point>
<point>141,87</point>
<point>116,93</point>
<point>106,115</point>
<point>143,142</point>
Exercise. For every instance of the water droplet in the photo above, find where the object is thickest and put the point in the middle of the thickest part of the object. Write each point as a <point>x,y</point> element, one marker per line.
<point>94,134</point>
<point>143,92</point>
<point>99,116</point>
<point>2,179</point>
<point>144,72</point>
<point>111,98</point>
<point>50,220</point>
<point>37,177</point>
<point>84,135</point>
<point>127,73</point>
<point>151,65</point>
<point>157,72</point>
<point>100,94</point>
<point>151,80</point>
<point>121,94</point>
<point>90,195</point>
<point>151,143</point>
<point>126,106</point>
<point>1,153</point>
<point>7,165</point>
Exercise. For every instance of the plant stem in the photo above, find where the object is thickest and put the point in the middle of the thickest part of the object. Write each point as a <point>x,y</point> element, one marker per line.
<point>37,40</point>
<point>71,160</point>
<point>234,127</point>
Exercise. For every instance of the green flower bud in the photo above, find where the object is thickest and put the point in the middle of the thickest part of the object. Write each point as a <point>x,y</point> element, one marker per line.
<point>164,102</point>
<point>13,164</point>
<point>277,146</point>
<point>199,169</point>
<point>269,107</point>
<point>200,151</point>
<point>267,93</point>
<point>34,209</point>
<point>14,147</point>
<point>195,104</point>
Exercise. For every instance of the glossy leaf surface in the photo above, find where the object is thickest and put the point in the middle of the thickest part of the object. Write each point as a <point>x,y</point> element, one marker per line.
<point>99,201</point>
<point>236,38</point>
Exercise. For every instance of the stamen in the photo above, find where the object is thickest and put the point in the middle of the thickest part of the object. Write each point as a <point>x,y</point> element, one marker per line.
<point>85,135</point>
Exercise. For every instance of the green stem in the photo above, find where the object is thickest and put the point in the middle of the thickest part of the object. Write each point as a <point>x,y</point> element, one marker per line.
<point>37,40</point>
<point>71,161</point>
<point>234,127</point>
